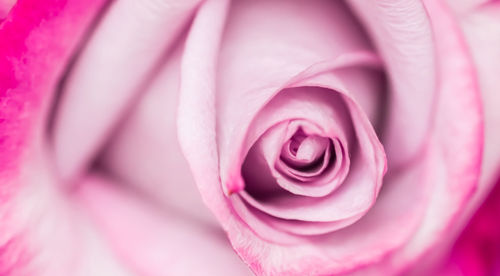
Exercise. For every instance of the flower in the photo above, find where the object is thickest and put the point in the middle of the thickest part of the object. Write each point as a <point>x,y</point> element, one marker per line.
<point>327,137</point>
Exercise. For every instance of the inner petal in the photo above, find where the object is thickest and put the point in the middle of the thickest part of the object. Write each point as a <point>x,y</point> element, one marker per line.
<point>303,151</point>
<point>321,170</point>
<point>267,176</point>
<point>254,69</point>
<point>312,147</point>
<point>354,196</point>
<point>331,154</point>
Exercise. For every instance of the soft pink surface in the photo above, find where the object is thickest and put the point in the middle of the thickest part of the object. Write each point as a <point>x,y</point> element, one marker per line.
<point>323,141</point>
<point>118,62</point>
<point>153,241</point>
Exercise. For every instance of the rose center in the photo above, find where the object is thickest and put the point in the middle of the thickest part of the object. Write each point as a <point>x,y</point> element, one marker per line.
<point>303,151</point>
<point>306,155</point>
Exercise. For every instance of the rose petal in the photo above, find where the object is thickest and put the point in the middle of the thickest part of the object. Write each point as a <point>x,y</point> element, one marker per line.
<point>361,184</point>
<point>36,226</point>
<point>145,153</point>
<point>463,7</point>
<point>311,148</point>
<point>5,6</point>
<point>152,242</point>
<point>196,130</point>
<point>254,63</point>
<point>330,119</point>
<point>482,32</point>
<point>403,36</point>
<point>106,77</point>
<point>458,177</point>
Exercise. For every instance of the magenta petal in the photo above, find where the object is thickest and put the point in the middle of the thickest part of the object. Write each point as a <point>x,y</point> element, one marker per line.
<point>477,251</point>
<point>5,6</point>
<point>31,62</point>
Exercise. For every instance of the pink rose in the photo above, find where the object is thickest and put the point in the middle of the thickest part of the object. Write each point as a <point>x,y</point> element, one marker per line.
<point>327,137</point>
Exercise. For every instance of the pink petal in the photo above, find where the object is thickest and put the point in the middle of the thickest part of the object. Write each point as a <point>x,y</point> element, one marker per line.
<point>454,131</point>
<point>330,120</point>
<point>403,36</point>
<point>482,32</point>
<point>5,6</point>
<point>31,62</point>
<point>145,153</point>
<point>354,190</point>
<point>155,242</point>
<point>311,148</point>
<point>359,190</point>
<point>113,67</point>
<point>254,63</point>
<point>463,7</point>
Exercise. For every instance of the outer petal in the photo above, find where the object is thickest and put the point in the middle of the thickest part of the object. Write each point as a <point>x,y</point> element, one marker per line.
<point>121,57</point>
<point>459,177</point>
<point>5,6</point>
<point>403,36</point>
<point>481,26</point>
<point>464,7</point>
<point>31,62</point>
<point>153,241</point>
<point>482,32</point>
<point>145,153</point>
<point>151,212</point>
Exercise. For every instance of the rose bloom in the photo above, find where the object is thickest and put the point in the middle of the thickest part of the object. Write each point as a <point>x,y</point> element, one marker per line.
<point>274,137</point>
